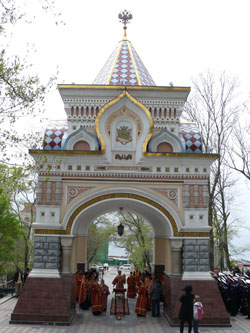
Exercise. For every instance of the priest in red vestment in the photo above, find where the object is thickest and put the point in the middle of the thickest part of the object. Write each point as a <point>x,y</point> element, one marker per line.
<point>78,281</point>
<point>131,293</point>
<point>97,305</point>
<point>149,285</point>
<point>141,304</point>
<point>119,280</point>
<point>137,276</point>
<point>105,293</point>
<point>84,298</point>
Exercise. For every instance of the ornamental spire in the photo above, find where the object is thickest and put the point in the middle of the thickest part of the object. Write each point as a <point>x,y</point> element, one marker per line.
<point>125,17</point>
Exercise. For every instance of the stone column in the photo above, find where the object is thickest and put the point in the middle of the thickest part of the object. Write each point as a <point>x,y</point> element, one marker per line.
<point>79,253</point>
<point>66,246</point>
<point>162,254</point>
<point>46,256</point>
<point>196,259</point>
<point>176,248</point>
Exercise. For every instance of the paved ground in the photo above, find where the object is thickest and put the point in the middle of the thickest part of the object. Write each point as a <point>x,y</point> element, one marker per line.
<point>87,323</point>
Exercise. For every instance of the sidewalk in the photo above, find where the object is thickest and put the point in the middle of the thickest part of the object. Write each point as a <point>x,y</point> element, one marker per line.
<point>5,299</point>
<point>87,323</point>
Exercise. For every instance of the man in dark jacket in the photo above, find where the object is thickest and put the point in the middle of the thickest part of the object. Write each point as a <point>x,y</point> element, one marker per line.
<point>186,310</point>
<point>156,293</point>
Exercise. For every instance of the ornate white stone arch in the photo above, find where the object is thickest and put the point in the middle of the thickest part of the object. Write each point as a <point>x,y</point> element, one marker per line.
<point>163,218</point>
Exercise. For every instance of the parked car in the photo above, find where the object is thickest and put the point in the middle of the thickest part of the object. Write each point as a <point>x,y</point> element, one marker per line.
<point>98,267</point>
<point>101,267</point>
<point>125,267</point>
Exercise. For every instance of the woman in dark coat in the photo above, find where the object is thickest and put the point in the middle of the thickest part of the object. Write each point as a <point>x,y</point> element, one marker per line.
<point>186,310</point>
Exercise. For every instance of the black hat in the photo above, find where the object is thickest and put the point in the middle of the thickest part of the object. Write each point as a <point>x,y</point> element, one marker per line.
<point>188,288</point>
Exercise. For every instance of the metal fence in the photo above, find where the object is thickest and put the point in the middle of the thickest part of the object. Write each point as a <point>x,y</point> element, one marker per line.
<point>7,288</point>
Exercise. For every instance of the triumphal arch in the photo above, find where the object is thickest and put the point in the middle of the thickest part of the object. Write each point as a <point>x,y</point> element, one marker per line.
<point>122,145</point>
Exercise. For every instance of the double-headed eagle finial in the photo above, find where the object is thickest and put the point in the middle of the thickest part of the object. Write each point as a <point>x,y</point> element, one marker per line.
<point>125,17</point>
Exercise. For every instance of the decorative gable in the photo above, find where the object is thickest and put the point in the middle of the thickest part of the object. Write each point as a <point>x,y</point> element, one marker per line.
<point>124,127</point>
<point>167,140</point>
<point>81,140</point>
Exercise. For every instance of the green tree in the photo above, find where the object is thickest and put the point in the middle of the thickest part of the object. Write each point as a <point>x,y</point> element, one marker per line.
<point>100,233</point>
<point>22,98</point>
<point>137,239</point>
<point>20,186</point>
<point>10,230</point>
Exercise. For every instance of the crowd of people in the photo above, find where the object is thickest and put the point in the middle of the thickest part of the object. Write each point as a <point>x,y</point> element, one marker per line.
<point>91,291</point>
<point>234,287</point>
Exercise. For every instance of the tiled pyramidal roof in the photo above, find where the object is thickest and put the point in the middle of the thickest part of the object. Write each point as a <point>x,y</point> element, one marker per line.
<point>124,67</point>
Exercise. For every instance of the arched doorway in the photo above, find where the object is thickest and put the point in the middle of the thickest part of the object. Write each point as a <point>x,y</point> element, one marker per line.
<point>165,223</point>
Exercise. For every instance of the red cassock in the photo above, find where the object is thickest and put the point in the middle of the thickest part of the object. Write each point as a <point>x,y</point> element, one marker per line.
<point>96,297</point>
<point>119,281</point>
<point>137,278</point>
<point>78,281</point>
<point>141,304</point>
<point>131,293</point>
<point>105,293</point>
<point>83,290</point>
<point>149,300</point>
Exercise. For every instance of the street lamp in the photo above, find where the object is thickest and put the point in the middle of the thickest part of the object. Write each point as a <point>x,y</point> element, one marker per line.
<point>120,228</point>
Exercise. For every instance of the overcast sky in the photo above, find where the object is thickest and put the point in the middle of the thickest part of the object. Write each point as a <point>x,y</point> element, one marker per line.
<point>176,40</point>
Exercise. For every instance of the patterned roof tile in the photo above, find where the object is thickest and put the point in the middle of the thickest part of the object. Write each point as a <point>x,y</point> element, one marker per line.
<point>124,67</point>
<point>192,137</point>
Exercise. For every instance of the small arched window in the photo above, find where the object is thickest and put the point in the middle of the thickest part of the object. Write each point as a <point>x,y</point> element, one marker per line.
<point>164,147</point>
<point>81,145</point>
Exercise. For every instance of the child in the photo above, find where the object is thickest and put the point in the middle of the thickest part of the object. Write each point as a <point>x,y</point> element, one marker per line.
<point>198,313</point>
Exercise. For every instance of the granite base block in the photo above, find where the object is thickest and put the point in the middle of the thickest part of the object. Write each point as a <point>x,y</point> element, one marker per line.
<point>215,313</point>
<point>46,300</point>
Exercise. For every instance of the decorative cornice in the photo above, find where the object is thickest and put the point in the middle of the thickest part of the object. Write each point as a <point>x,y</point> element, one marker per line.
<point>190,155</point>
<point>93,201</point>
<point>106,87</point>
<point>141,176</point>
<point>64,152</point>
<point>75,152</point>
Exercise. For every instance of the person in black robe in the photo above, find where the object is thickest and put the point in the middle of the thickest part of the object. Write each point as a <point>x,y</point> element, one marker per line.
<point>248,300</point>
<point>235,297</point>
<point>186,309</point>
